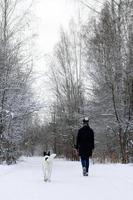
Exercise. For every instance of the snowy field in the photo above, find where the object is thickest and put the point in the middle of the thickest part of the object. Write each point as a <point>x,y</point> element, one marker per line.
<point>24,181</point>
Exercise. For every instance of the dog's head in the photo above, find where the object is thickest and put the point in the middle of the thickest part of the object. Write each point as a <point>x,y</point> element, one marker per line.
<point>46,153</point>
<point>48,157</point>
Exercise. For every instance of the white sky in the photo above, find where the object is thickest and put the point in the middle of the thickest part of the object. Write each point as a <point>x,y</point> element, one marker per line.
<point>52,14</point>
<point>49,16</point>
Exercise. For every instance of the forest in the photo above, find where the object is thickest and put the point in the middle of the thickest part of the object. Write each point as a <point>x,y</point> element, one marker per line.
<point>90,74</point>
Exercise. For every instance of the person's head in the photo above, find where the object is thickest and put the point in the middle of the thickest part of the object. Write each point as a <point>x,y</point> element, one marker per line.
<point>86,121</point>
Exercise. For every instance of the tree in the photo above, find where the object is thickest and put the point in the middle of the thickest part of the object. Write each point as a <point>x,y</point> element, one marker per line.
<point>15,70</point>
<point>110,69</point>
<point>66,77</point>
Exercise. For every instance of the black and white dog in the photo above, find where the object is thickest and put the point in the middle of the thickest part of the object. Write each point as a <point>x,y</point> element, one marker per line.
<point>47,165</point>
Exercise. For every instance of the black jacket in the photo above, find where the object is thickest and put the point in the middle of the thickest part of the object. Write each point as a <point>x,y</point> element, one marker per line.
<point>85,141</point>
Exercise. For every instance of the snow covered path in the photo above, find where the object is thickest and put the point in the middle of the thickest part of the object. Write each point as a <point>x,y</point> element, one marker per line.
<point>24,181</point>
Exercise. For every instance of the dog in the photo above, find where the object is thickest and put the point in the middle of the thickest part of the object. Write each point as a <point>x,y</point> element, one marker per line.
<point>47,165</point>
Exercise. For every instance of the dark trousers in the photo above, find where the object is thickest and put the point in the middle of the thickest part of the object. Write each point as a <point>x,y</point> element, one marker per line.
<point>85,162</point>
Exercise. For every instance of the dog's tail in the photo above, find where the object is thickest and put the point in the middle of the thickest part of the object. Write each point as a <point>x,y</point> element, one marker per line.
<point>51,157</point>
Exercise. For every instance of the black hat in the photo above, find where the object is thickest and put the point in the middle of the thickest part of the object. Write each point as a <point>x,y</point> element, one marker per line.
<point>85,120</point>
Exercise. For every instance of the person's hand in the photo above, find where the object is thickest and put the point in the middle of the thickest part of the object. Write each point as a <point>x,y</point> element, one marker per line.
<point>76,152</point>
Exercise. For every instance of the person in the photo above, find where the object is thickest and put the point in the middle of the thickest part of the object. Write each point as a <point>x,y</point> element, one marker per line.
<point>85,145</point>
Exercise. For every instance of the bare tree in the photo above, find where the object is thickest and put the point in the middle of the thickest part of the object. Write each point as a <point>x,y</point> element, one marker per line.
<point>66,77</point>
<point>15,70</point>
<point>109,50</point>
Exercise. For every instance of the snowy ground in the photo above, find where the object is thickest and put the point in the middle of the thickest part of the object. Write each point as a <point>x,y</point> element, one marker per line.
<point>24,181</point>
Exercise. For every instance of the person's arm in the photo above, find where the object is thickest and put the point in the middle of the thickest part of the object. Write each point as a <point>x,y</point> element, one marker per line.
<point>77,142</point>
<point>93,145</point>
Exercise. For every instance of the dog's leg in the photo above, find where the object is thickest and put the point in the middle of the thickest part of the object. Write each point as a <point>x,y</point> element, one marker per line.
<point>45,173</point>
<point>49,172</point>
<point>45,178</point>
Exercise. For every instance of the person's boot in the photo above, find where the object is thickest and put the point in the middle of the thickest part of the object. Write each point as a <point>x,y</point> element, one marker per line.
<point>86,174</point>
<point>84,171</point>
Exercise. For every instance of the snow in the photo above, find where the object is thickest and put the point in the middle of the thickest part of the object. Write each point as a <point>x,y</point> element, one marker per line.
<point>24,181</point>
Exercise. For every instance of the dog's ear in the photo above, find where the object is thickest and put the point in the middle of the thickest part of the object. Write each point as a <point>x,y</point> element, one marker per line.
<point>44,153</point>
<point>48,153</point>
